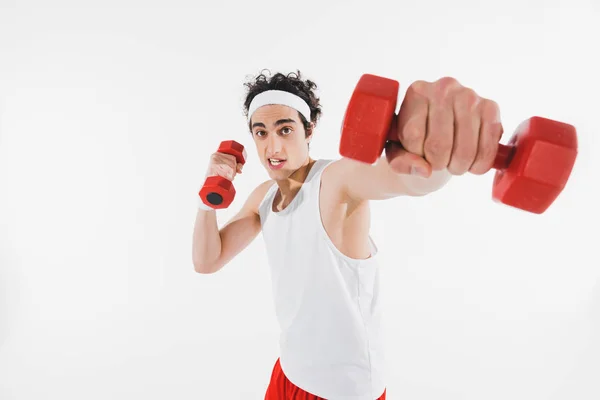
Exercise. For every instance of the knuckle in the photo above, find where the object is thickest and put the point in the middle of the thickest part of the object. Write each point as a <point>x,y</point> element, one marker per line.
<point>491,111</point>
<point>447,81</point>
<point>468,98</point>
<point>445,85</point>
<point>419,87</point>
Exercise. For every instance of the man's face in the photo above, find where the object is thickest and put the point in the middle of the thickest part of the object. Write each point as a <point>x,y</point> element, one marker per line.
<point>280,140</point>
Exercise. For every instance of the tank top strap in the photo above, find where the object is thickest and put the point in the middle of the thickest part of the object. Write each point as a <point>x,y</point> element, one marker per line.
<point>314,178</point>
<point>313,186</point>
<point>315,189</point>
<point>267,201</point>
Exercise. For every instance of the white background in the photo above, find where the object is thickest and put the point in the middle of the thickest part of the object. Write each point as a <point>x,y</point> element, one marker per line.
<point>108,113</point>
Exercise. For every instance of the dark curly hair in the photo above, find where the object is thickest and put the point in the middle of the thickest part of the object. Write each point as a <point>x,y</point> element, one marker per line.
<point>293,83</point>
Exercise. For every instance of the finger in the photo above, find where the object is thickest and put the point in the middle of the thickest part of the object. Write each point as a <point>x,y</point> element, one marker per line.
<point>226,171</point>
<point>230,161</point>
<point>239,168</point>
<point>440,131</point>
<point>490,133</point>
<point>404,162</point>
<point>467,120</point>
<point>226,166</point>
<point>412,118</point>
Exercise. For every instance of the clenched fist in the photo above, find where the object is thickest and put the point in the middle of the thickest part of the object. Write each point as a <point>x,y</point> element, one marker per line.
<point>444,125</point>
<point>224,165</point>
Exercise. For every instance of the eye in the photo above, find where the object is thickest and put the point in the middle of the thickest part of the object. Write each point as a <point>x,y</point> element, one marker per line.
<point>287,130</point>
<point>259,133</point>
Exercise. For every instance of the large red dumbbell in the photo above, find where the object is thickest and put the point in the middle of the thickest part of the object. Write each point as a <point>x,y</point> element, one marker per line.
<point>369,118</point>
<point>532,169</point>
<point>218,192</point>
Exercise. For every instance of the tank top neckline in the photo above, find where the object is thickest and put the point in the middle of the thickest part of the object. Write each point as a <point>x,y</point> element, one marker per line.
<point>274,188</point>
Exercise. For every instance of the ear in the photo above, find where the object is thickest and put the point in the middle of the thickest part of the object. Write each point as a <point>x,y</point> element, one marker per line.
<point>310,132</point>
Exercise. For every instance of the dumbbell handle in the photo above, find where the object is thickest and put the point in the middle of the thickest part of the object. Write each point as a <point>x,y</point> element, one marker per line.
<point>504,156</point>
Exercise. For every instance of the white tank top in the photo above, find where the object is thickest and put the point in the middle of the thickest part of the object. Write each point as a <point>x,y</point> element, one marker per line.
<point>327,304</point>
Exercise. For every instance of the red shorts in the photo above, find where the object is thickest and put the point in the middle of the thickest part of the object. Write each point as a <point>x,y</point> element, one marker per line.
<point>280,388</point>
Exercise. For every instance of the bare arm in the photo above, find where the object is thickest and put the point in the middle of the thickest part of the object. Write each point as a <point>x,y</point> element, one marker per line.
<point>212,247</point>
<point>360,181</point>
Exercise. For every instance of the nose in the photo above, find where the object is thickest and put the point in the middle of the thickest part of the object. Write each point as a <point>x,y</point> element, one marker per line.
<point>274,144</point>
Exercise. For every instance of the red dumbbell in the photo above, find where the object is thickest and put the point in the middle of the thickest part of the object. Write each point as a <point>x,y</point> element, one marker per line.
<point>532,168</point>
<point>218,192</point>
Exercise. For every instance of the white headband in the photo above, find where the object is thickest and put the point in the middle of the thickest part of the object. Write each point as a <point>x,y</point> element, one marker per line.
<point>279,97</point>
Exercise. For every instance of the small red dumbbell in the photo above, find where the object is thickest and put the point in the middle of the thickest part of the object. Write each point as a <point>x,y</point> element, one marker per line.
<point>535,165</point>
<point>532,169</point>
<point>218,192</point>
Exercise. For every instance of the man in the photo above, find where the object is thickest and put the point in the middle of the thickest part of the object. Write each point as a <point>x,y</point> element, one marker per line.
<point>314,216</point>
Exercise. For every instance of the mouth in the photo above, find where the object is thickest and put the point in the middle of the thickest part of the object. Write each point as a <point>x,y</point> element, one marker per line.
<point>276,163</point>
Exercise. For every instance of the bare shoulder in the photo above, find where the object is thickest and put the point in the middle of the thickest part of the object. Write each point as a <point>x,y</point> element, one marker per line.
<point>257,195</point>
<point>336,176</point>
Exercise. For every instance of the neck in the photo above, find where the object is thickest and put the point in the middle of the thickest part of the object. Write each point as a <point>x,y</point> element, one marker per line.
<point>290,185</point>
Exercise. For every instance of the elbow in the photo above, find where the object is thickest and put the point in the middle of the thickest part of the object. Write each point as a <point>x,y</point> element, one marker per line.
<point>201,269</point>
<point>203,264</point>
<point>205,268</point>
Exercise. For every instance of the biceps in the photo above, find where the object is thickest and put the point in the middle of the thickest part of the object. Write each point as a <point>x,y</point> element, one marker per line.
<point>372,182</point>
<point>237,235</point>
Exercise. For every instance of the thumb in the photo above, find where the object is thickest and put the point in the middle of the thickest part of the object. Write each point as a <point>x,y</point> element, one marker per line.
<point>403,162</point>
